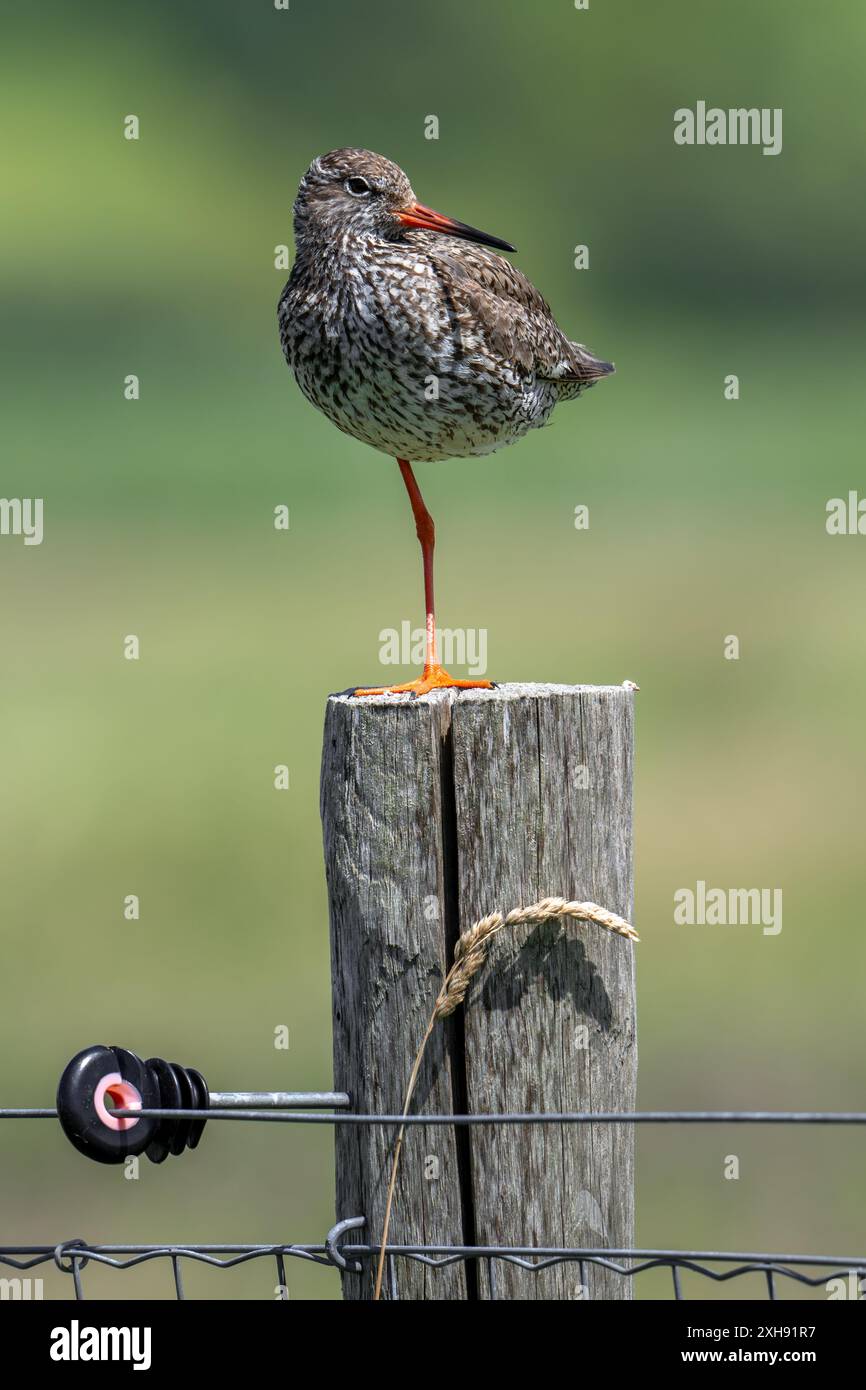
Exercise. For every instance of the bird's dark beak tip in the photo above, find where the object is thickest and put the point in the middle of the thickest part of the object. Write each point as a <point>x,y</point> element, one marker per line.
<point>495,242</point>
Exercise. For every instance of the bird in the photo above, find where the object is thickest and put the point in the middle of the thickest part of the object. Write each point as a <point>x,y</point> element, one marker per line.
<point>412,334</point>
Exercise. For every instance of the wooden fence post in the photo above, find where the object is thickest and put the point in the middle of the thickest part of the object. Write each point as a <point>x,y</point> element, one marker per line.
<point>435,812</point>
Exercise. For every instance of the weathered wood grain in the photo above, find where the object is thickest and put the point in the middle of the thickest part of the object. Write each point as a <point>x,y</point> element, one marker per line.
<point>543,808</point>
<point>435,812</point>
<point>381,801</point>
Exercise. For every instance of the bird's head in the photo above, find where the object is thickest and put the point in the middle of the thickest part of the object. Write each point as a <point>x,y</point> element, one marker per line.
<point>364,194</point>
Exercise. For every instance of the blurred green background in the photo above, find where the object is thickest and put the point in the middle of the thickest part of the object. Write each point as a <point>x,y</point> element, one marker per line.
<point>156,257</point>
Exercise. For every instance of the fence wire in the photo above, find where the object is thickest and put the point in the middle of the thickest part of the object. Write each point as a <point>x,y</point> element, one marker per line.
<point>72,1258</point>
<point>341,1249</point>
<point>516,1117</point>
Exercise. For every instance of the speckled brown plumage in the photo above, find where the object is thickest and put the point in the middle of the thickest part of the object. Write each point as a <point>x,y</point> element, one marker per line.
<point>422,344</point>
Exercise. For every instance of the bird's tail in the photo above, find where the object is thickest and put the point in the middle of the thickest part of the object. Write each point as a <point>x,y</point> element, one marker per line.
<point>581,371</point>
<point>587,367</point>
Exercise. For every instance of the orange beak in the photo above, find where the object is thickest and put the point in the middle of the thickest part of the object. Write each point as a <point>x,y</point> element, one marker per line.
<point>419,216</point>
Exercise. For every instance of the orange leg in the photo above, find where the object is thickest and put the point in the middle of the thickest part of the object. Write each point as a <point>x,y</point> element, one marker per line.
<point>434,676</point>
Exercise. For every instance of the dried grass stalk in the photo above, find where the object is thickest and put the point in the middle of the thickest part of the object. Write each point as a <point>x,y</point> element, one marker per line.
<point>471,949</point>
<point>470,954</point>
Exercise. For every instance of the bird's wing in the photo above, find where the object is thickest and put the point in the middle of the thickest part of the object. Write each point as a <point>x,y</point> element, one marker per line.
<point>491,297</point>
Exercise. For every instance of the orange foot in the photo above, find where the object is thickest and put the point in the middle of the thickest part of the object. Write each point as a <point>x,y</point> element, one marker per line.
<point>433,678</point>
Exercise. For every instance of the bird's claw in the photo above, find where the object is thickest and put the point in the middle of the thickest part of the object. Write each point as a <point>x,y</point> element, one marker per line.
<point>432,678</point>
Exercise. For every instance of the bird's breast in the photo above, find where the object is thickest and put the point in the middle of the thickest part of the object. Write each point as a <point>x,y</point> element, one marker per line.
<point>380,347</point>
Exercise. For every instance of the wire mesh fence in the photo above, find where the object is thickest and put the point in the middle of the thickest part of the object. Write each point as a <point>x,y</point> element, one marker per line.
<point>346,1246</point>
<point>72,1258</point>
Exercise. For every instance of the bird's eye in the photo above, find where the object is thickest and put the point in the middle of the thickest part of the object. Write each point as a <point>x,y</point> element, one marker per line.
<point>359,187</point>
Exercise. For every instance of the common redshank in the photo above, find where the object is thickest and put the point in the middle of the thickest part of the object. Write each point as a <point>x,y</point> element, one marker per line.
<point>410,335</point>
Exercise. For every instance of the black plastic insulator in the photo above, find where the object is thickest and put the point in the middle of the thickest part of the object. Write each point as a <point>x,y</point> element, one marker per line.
<point>100,1071</point>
